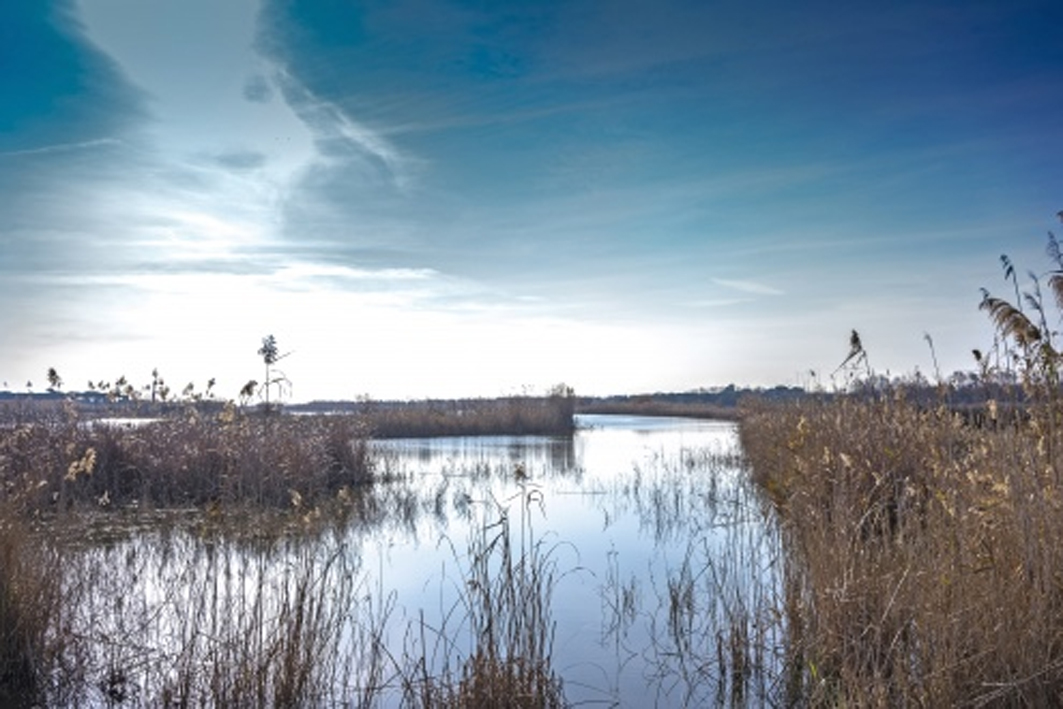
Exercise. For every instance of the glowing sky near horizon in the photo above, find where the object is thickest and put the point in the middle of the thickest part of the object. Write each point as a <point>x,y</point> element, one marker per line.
<point>433,198</point>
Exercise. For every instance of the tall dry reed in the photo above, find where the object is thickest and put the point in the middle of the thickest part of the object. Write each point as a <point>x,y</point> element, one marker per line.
<point>504,606</point>
<point>924,564</point>
<point>31,613</point>
<point>180,616</point>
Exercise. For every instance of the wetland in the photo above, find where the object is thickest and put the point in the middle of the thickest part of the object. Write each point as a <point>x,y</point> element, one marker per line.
<point>631,563</point>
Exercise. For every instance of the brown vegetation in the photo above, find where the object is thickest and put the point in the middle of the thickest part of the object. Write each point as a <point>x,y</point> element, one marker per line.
<point>518,415</point>
<point>50,459</point>
<point>924,563</point>
<point>650,407</point>
<point>264,621</point>
<point>923,558</point>
<point>29,595</point>
<point>225,631</point>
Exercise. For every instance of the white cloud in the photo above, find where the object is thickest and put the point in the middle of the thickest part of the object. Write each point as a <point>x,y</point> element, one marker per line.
<point>748,286</point>
<point>316,270</point>
<point>715,302</point>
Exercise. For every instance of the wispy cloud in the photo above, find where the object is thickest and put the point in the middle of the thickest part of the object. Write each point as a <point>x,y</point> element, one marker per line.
<point>715,302</point>
<point>316,275</point>
<point>62,147</point>
<point>751,287</point>
<point>338,136</point>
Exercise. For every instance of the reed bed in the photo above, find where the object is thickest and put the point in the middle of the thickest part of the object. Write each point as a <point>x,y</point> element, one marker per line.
<point>507,416</point>
<point>923,563</point>
<point>53,456</point>
<point>653,407</point>
<point>200,617</point>
<point>30,595</point>
<point>51,459</point>
<point>124,625</point>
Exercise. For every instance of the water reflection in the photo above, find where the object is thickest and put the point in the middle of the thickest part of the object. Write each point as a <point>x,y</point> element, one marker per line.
<point>653,563</point>
<point>465,455</point>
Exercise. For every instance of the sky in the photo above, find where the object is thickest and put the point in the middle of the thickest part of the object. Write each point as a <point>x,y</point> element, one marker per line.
<point>431,198</point>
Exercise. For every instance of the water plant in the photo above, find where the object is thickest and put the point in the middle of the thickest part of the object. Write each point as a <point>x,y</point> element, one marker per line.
<point>504,606</point>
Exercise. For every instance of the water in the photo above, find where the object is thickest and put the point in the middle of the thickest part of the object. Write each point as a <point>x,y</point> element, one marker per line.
<point>662,569</point>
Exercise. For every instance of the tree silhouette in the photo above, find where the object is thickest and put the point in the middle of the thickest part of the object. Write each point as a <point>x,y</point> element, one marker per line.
<point>270,355</point>
<point>55,382</point>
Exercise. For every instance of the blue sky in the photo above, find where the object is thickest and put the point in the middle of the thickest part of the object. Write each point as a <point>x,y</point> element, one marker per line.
<point>427,198</point>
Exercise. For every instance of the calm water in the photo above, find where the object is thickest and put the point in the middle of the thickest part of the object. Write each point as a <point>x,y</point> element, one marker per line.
<point>663,562</point>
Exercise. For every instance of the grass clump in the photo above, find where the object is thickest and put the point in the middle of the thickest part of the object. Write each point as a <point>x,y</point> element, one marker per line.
<point>281,626</point>
<point>18,680</point>
<point>504,605</point>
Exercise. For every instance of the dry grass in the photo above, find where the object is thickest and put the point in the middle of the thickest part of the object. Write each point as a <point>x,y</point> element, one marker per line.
<point>29,589</point>
<point>505,607</point>
<point>283,626</point>
<point>53,457</point>
<point>651,407</point>
<point>924,560</point>
<point>50,459</point>
<point>517,415</point>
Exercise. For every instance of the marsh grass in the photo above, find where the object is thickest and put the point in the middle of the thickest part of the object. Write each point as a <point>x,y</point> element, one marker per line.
<point>52,457</point>
<point>286,626</point>
<point>550,415</point>
<point>709,605</point>
<point>197,613</point>
<point>29,602</point>
<point>504,608</point>
<point>923,558</point>
<point>51,460</point>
